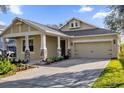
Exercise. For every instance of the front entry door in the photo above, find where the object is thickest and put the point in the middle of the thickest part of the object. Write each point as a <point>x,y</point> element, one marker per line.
<point>63,47</point>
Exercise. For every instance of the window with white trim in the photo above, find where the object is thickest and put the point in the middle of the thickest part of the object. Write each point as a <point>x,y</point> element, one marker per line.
<point>74,24</point>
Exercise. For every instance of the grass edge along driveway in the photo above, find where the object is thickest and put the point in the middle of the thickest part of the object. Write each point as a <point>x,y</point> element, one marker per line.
<point>112,76</point>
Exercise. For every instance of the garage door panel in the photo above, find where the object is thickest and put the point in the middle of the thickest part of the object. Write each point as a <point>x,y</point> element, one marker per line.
<point>93,50</point>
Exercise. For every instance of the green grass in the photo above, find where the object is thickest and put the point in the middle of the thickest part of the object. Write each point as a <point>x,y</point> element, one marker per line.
<point>112,76</point>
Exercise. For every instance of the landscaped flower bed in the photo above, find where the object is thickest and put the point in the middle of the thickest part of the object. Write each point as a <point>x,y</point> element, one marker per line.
<point>22,67</point>
<point>55,59</point>
<point>8,68</point>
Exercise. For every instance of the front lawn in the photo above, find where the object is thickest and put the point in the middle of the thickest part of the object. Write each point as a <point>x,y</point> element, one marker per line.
<point>112,76</point>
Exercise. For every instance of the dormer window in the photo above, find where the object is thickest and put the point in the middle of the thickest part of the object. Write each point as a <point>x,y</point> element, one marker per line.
<point>72,25</point>
<point>75,24</point>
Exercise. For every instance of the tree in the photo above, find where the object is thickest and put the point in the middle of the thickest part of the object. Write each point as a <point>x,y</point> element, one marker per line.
<point>115,19</point>
<point>4,8</point>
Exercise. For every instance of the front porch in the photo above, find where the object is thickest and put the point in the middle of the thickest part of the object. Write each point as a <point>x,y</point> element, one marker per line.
<point>39,47</point>
<point>33,43</point>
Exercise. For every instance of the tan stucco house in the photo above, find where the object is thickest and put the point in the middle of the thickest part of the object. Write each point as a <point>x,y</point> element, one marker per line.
<point>75,38</point>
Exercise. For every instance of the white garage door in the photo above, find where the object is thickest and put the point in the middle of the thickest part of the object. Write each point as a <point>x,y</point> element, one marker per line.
<point>93,50</point>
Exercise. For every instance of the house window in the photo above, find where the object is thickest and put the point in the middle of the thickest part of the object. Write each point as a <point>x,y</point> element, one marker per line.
<point>76,24</point>
<point>31,46</point>
<point>114,41</point>
<point>72,25</point>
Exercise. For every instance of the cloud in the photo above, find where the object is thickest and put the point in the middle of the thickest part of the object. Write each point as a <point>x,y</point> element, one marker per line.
<point>2,23</point>
<point>85,9</point>
<point>100,15</point>
<point>16,9</point>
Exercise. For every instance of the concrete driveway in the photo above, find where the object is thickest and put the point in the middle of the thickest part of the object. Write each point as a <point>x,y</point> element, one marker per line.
<point>73,73</point>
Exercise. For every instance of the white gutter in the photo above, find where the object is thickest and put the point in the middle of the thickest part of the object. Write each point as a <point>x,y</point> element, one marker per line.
<point>94,35</point>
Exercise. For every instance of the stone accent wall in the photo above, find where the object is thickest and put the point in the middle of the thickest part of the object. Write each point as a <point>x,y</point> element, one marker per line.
<point>43,54</point>
<point>27,55</point>
<point>69,52</point>
<point>58,52</point>
<point>4,53</point>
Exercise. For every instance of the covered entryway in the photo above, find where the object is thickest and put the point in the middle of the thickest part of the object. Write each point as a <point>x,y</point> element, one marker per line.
<point>93,49</point>
<point>62,47</point>
<point>34,41</point>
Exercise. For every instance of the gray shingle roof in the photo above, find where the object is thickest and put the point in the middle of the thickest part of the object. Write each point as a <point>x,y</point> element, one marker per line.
<point>95,31</point>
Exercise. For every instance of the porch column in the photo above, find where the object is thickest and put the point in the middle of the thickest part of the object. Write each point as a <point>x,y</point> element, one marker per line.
<point>69,48</point>
<point>43,47</point>
<point>58,47</point>
<point>27,50</point>
<point>4,47</point>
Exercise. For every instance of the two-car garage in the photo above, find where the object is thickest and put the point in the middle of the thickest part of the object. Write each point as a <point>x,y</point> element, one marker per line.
<point>94,43</point>
<point>100,47</point>
<point>93,49</point>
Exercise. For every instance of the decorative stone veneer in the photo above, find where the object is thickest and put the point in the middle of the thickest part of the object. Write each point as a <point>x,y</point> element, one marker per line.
<point>58,52</point>
<point>27,55</point>
<point>4,53</point>
<point>43,54</point>
<point>69,52</point>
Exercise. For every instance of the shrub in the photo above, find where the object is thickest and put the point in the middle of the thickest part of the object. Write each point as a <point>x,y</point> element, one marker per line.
<point>6,67</point>
<point>61,58</point>
<point>66,57</point>
<point>14,61</point>
<point>53,59</point>
<point>57,59</point>
<point>49,60</point>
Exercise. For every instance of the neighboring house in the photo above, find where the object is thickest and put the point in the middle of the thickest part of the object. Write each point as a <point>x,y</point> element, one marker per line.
<point>11,45</point>
<point>1,29</point>
<point>75,38</point>
<point>10,42</point>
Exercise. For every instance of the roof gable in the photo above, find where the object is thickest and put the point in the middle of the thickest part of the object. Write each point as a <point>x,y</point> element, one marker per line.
<point>38,26</point>
<point>83,25</point>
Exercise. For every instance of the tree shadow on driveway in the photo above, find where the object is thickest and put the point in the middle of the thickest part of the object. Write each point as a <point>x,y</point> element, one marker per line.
<point>59,80</point>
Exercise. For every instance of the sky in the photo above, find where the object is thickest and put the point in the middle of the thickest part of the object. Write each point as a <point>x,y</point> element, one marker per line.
<point>53,14</point>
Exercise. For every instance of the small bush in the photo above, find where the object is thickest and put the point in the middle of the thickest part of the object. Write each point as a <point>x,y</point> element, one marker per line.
<point>61,58</point>
<point>6,67</point>
<point>54,59</point>
<point>66,57</point>
<point>57,59</point>
<point>14,61</point>
<point>49,60</point>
